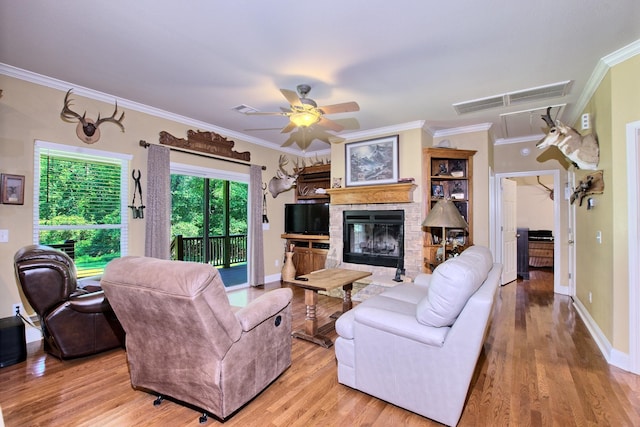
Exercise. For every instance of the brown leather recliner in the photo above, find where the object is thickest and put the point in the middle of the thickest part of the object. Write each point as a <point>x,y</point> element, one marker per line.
<point>185,341</point>
<point>75,321</point>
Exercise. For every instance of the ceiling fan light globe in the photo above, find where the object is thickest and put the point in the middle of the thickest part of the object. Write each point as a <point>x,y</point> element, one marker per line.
<point>304,118</point>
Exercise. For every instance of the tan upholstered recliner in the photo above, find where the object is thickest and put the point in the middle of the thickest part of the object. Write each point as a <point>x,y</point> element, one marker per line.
<point>75,320</point>
<point>184,340</point>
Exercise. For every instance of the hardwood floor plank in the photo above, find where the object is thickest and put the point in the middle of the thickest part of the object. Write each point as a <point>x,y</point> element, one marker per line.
<point>538,367</point>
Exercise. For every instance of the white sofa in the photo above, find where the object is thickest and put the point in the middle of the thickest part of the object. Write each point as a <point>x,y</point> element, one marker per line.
<point>417,345</point>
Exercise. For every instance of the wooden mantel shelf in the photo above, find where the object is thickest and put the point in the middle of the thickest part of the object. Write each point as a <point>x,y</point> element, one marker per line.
<point>389,193</point>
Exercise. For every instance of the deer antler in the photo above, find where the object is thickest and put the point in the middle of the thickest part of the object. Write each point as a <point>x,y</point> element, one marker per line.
<point>89,128</point>
<point>547,118</point>
<point>68,114</point>
<point>297,168</point>
<point>282,162</point>
<point>112,118</point>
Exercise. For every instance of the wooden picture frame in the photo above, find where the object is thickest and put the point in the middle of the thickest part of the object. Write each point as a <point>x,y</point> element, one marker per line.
<point>437,191</point>
<point>372,162</point>
<point>12,189</point>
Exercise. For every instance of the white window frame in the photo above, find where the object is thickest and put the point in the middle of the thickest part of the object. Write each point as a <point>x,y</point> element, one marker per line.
<point>122,159</point>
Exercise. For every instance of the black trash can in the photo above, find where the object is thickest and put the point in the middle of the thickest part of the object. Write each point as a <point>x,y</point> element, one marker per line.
<point>13,345</point>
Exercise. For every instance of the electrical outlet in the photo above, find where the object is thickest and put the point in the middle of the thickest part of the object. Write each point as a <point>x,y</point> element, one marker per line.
<point>590,298</point>
<point>17,309</point>
<point>277,262</point>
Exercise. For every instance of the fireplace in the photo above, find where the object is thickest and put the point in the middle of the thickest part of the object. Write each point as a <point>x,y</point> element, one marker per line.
<point>374,237</point>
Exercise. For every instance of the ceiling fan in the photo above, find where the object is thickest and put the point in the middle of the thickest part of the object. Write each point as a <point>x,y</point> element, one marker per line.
<point>303,112</point>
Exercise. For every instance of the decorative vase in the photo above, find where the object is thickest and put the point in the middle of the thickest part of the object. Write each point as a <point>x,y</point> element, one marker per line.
<point>288,269</point>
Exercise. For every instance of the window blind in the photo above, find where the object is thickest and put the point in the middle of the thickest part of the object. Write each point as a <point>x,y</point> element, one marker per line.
<point>80,204</point>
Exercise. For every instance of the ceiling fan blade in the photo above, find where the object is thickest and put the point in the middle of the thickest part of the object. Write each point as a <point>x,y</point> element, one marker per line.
<point>350,123</point>
<point>258,129</point>
<point>289,141</point>
<point>266,113</point>
<point>301,137</point>
<point>316,132</point>
<point>292,97</point>
<point>329,124</point>
<point>288,128</point>
<point>345,107</point>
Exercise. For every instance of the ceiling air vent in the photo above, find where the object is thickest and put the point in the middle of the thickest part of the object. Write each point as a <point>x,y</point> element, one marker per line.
<point>479,104</point>
<point>538,93</point>
<point>244,109</point>
<point>554,90</point>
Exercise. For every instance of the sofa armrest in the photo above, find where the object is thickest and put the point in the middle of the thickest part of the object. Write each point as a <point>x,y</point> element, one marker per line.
<point>263,307</point>
<point>400,324</point>
<point>422,279</point>
<point>90,303</point>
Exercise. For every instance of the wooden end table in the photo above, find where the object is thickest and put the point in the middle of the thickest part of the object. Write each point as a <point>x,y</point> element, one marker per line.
<point>324,280</point>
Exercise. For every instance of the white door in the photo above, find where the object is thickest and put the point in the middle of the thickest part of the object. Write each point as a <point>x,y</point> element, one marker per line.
<point>571,238</point>
<point>508,228</point>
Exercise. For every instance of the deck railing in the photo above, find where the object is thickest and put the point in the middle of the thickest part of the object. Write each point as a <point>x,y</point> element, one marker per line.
<point>223,251</point>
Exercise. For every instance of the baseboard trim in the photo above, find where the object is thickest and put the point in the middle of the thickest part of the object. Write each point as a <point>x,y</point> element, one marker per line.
<point>612,356</point>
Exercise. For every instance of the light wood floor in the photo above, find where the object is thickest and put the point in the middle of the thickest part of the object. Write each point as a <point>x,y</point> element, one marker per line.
<point>539,367</point>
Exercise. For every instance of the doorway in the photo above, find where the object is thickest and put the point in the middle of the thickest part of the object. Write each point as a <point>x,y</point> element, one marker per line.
<point>209,220</point>
<point>501,254</point>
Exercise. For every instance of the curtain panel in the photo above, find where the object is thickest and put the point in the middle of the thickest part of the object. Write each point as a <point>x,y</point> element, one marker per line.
<point>256,241</point>
<point>158,205</point>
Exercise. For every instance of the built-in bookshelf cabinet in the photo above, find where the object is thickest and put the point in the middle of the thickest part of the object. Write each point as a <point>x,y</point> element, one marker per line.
<point>311,183</point>
<point>447,173</point>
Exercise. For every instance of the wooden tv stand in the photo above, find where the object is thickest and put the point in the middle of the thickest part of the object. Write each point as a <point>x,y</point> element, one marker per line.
<point>309,251</point>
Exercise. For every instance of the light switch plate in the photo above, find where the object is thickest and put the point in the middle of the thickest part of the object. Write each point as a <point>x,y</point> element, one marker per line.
<point>4,236</point>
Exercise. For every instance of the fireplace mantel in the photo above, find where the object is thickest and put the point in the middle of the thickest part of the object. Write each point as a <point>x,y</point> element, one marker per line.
<point>389,193</point>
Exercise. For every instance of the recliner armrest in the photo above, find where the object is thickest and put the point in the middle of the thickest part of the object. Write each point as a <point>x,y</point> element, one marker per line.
<point>400,324</point>
<point>94,302</point>
<point>263,307</point>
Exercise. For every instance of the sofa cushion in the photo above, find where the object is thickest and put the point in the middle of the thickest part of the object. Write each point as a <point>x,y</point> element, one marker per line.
<point>481,257</point>
<point>451,285</point>
<point>407,292</point>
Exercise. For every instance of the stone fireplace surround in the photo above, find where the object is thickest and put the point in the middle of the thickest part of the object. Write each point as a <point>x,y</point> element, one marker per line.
<point>413,236</point>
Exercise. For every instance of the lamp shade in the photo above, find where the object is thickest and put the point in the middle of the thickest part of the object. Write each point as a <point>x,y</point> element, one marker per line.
<point>444,214</point>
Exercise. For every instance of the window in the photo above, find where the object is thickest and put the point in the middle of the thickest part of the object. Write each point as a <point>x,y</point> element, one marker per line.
<point>80,204</point>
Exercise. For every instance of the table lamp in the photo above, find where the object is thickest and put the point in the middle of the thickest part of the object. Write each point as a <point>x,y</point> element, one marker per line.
<point>444,214</point>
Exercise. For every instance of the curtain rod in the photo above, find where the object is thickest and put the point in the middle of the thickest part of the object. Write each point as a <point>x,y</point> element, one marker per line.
<point>145,144</point>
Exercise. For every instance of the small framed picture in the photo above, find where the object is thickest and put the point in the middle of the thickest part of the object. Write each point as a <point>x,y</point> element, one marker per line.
<point>437,191</point>
<point>457,236</point>
<point>12,189</point>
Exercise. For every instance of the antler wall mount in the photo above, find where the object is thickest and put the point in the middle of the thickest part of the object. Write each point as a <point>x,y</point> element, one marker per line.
<point>87,129</point>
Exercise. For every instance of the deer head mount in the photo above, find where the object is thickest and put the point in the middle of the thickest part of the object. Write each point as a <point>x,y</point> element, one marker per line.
<point>582,151</point>
<point>87,129</point>
<point>283,181</point>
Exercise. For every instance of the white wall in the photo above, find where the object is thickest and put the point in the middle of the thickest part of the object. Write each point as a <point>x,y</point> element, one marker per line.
<point>535,207</point>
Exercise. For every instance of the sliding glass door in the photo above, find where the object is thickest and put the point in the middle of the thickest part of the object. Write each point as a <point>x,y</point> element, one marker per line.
<point>209,223</point>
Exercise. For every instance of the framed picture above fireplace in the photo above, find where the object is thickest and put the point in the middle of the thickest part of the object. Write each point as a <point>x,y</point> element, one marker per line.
<point>372,162</point>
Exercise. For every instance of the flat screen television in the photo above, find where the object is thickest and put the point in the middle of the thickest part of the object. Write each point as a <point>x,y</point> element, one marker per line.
<point>312,218</point>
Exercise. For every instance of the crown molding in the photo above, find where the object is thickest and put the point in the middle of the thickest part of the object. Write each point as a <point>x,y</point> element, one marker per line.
<point>599,72</point>
<point>481,127</point>
<point>64,86</point>
<point>351,136</point>
<point>527,138</point>
<point>622,54</point>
